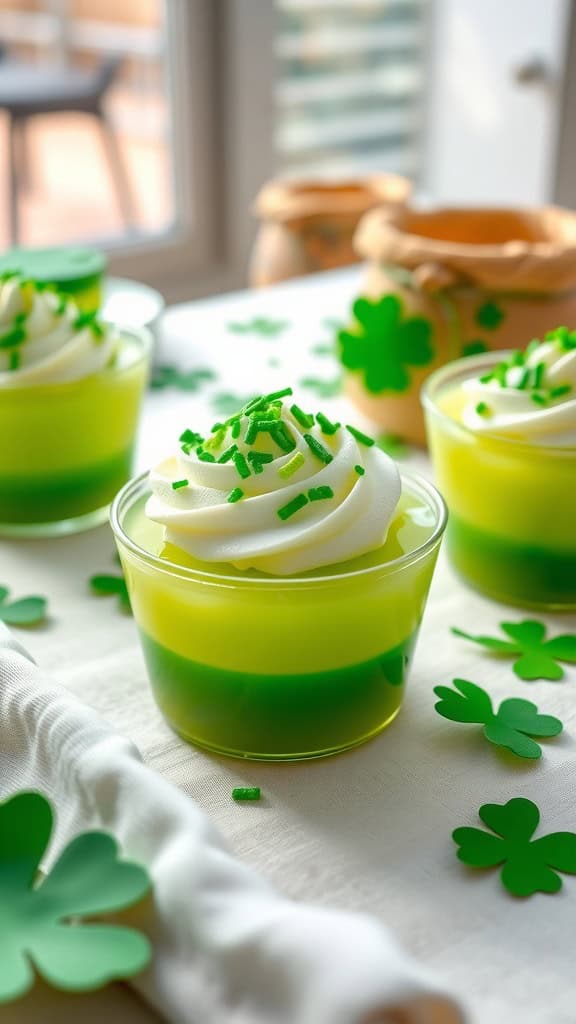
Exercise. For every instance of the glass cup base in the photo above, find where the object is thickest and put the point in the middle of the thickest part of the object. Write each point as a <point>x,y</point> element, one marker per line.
<point>272,758</point>
<point>57,528</point>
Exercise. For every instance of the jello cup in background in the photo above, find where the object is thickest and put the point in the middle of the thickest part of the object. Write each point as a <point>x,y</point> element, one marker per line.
<point>278,668</point>
<point>76,271</point>
<point>512,499</point>
<point>70,395</point>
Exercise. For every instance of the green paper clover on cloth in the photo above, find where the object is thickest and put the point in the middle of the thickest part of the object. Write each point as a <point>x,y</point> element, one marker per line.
<point>489,316</point>
<point>39,919</point>
<point>511,726</point>
<point>537,657</point>
<point>529,865</point>
<point>107,583</point>
<point>384,343</point>
<point>261,325</point>
<point>172,377</point>
<point>27,611</point>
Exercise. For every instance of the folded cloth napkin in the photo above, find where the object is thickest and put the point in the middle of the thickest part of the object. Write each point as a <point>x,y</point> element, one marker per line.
<point>228,949</point>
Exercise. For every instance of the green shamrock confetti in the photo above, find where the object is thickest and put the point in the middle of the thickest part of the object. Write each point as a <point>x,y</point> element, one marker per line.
<point>323,387</point>
<point>107,583</point>
<point>537,658</point>
<point>27,611</point>
<point>529,865</point>
<point>323,349</point>
<point>41,923</point>
<point>489,316</point>
<point>226,403</point>
<point>474,347</point>
<point>261,325</point>
<point>383,344</point>
<point>393,445</point>
<point>331,324</point>
<point>511,726</point>
<point>171,377</point>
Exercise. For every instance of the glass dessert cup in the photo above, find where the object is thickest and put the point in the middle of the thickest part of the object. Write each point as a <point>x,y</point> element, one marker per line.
<point>511,533</point>
<point>277,668</point>
<point>71,445</point>
<point>74,270</point>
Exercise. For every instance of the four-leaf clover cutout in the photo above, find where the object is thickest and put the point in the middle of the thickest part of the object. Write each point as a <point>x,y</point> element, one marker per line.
<point>45,922</point>
<point>529,865</point>
<point>383,344</point>
<point>537,657</point>
<point>511,726</point>
<point>26,611</point>
<point>106,584</point>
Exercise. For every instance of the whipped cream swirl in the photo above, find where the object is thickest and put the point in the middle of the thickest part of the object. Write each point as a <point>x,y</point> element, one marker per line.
<point>529,396</point>
<point>44,339</point>
<point>277,490</point>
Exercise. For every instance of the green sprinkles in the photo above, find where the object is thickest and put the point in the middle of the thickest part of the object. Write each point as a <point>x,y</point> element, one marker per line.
<point>258,460</point>
<point>204,456</point>
<point>304,418</point>
<point>362,438</point>
<point>242,467</point>
<point>483,409</point>
<point>228,454</point>
<point>177,484</point>
<point>318,449</point>
<point>320,493</point>
<point>294,506</point>
<point>246,793</point>
<point>326,426</point>
<point>14,360</point>
<point>235,495</point>
<point>360,470</point>
<point>291,467</point>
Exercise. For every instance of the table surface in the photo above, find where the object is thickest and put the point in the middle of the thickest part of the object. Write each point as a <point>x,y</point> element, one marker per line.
<point>368,830</point>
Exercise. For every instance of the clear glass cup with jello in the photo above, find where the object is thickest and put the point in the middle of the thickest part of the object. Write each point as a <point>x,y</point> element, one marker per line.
<point>70,394</point>
<point>278,570</point>
<point>502,434</point>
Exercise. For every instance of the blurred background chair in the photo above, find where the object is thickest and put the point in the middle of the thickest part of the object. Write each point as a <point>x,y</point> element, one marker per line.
<point>28,90</point>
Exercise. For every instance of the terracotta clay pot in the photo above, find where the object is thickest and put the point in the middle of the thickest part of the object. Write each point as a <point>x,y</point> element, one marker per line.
<point>461,281</point>
<point>309,226</point>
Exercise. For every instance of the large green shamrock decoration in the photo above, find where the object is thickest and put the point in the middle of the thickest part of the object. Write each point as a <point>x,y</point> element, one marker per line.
<point>27,611</point>
<point>39,917</point>
<point>529,865</point>
<point>538,657</point>
<point>511,726</point>
<point>383,344</point>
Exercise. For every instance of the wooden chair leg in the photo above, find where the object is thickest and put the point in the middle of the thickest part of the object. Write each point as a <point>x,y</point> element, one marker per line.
<point>13,189</point>
<point>117,170</point>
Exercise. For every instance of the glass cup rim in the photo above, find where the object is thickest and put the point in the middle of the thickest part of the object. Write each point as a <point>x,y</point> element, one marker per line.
<point>483,361</point>
<point>135,486</point>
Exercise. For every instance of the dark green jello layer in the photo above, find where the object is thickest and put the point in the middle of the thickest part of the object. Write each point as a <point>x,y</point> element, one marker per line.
<point>523,574</point>
<point>57,496</point>
<point>277,716</point>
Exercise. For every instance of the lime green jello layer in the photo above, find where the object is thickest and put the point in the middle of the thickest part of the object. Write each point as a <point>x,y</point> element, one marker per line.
<point>42,498</point>
<point>70,444</point>
<point>510,571</point>
<point>277,715</point>
<point>278,667</point>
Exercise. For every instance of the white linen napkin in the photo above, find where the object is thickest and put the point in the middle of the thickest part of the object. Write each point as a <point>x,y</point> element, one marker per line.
<point>228,949</point>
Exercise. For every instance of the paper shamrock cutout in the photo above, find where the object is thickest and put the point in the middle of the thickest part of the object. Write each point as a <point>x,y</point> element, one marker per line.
<point>383,344</point>
<point>489,316</point>
<point>474,347</point>
<point>39,920</point>
<point>323,387</point>
<point>511,726</point>
<point>26,611</point>
<point>107,583</point>
<point>529,865</point>
<point>261,325</point>
<point>538,657</point>
<point>171,377</point>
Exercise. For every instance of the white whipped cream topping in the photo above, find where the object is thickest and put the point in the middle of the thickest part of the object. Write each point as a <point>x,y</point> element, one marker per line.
<point>52,349</point>
<point>249,533</point>
<point>512,411</point>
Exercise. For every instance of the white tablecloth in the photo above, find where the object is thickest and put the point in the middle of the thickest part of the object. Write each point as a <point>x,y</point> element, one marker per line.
<point>369,830</point>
